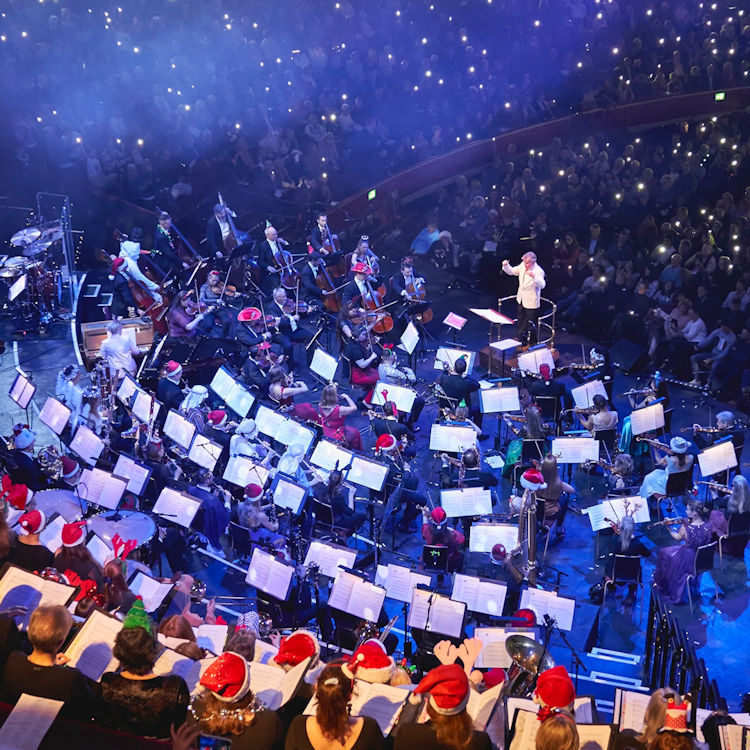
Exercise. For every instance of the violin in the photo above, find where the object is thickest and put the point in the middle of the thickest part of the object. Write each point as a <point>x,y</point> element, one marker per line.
<point>669,522</point>
<point>296,307</point>
<point>263,323</point>
<point>197,308</point>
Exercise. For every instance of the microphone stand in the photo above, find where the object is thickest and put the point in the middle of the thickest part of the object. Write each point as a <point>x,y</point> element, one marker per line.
<point>575,661</point>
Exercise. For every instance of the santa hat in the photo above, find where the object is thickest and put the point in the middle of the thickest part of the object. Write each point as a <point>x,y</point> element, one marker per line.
<point>117,263</point>
<point>362,268</point>
<point>172,368</point>
<point>33,521</point>
<point>253,491</point>
<point>73,533</point>
<point>16,495</point>
<point>228,678</point>
<point>217,417</point>
<point>554,689</point>
<point>498,554</point>
<point>532,479</point>
<point>494,677</point>
<point>675,719</point>
<point>370,662</point>
<point>385,443</point>
<point>24,439</point>
<point>297,647</point>
<point>438,516</point>
<point>448,687</point>
<point>544,371</point>
<point>248,315</point>
<point>69,467</point>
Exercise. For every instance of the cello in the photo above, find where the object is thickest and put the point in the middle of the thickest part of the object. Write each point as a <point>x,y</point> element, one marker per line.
<point>282,259</point>
<point>332,300</point>
<point>373,301</point>
<point>415,293</point>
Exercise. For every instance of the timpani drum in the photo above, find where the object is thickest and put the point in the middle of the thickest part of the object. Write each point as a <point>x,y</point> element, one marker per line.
<point>129,525</point>
<point>64,502</point>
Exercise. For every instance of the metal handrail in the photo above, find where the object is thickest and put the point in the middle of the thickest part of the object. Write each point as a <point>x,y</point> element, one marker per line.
<point>545,321</point>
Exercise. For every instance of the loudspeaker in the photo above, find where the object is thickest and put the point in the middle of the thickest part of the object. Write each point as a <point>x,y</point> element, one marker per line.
<point>627,355</point>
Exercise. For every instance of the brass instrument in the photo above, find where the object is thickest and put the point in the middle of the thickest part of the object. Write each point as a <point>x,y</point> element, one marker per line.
<point>528,658</point>
<point>265,624</point>
<point>722,488</point>
<point>50,461</point>
<point>526,547</point>
<point>198,591</point>
<point>367,630</point>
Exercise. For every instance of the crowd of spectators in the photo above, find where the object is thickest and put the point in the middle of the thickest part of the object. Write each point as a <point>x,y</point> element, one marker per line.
<point>308,103</point>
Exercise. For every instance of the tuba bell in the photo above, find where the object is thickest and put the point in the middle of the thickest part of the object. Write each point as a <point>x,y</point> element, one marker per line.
<point>529,659</point>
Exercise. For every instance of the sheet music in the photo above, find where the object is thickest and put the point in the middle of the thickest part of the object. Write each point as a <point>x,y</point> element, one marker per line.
<point>466,501</point>
<point>145,407</point>
<point>494,653</point>
<point>264,652</point>
<point>222,383</point>
<point>647,419</point>
<point>595,736</point>
<point>583,395</point>
<point>454,321</point>
<point>327,453</point>
<point>269,574</point>
<point>279,427</point>
<point>86,444</point>
<point>136,475</point>
<point>170,662</point>
<point>632,711</point>
<point>444,616</point>
<point>51,536</point>
<point>22,390</point>
<point>357,597</point>
<point>419,608</point>
<point>481,706</point>
<point>484,536</point>
<point>329,557</point>
<point>717,458</point>
<point>99,549</point>
<point>487,597</point>
<point>232,393</point>
<point>102,488</point>
<point>324,364</point>
<point>399,582</point>
<point>450,355</point>
<point>243,471</point>
<point>91,648</point>
<point>575,450</point>
<point>273,686</point>
<point>55,415</point>
<point>582,706</point>
<point>400,395</point>
<point>28,722</point>
<point>548,603</point>
<point>152,592</point>
<point>450,439</point>
<point>179,429</point>
<point>493,400</point>
<point>614,509</point>
<point>380,702</point>
<point>410,338</point>
<point>127,389</point>
<point>19,588</point>
<point>367,473</point>
<point>731,736</point>
<point>176,507</point>
<point>204,452</point>
<point>211,637</point>
<point>288,494</point>
<point>534,359</point>
<point>490,315</point>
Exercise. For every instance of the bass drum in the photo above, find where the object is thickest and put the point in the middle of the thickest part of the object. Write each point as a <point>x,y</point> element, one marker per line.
<point>129,525</point>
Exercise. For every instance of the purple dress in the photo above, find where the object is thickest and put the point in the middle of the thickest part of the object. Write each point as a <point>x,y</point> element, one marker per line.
<point>675,563</point>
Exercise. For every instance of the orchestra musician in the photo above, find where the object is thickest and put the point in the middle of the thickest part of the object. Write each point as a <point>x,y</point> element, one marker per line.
<point>22,465</point>
<point>315,265</point>
<point>397,454</point>
<point>405,286</point>
<point>322,240</point>
<point>165,246</point>
<point>603,418</point>
<point>531,281</point>
<point>362,359</point>
<point>435,531</point>
<point>467,472</point>
<point>212,517</point>
<point>70,474</point>
<point>191,407</point>
<point>547,386</point>
<point>725,428</point>
<point>271,248</point>
<point>168,388</point>
<point>251,515</point>
<point>253,374</point>
<point>130,251</point>
<point>219,428</point>
<point>165,471</point>
<point>332,417</point>
<point>118,350</point>
<point>246,443</point>
<point>185,317</point>
<point>340,497</point>
<point>70,393</point>
<point>674,460</point>
<point>390,372</point>
<point>282,388</point>
<point>211,295</point>
<point>385,421</point>
<point>123,302</point>
<point>217,231</point>
<point>357,290</point>
<point>287,325</point>
<point>458,386</point>
<point>363,254</point>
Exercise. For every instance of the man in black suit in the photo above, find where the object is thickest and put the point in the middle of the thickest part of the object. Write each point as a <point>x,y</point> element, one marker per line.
<point>217,230</point>
<point>252,373</point>
<point>457,388</point>
<point>165,254</point>
<point>323,241</point>
<point>168,390</point>
<point>23,467</point>
<point>547,387</point>
<point>404,287</point>
<point>315,266</point>
<point>288,330</point>
<point>352,294</point>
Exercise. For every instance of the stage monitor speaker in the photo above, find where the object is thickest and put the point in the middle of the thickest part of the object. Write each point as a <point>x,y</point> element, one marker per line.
<point>627,355</point>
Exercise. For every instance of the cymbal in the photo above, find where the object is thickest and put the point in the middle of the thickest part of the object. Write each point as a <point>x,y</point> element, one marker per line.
<point>36,247</point>
<point>25,236</point>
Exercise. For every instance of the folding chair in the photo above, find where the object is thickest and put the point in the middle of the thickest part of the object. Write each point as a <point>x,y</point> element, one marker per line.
<point>625,571</point>
<point>736,538</point>
<point>703,563</point>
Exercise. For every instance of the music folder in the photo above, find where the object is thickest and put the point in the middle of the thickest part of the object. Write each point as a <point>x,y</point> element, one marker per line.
<point>324,365</point>
<point>575,450</point>
<point>355,596</point>
<point>204,452</point>
<point>451,439</point>
<point>102,488</point>
<point>591,736</point>
<point>493,400</point>
<point>370,474</point>
<point>179,429</point>
<point>484,536</point>
<point>136,474</point>
<point>234,394</point>
<point>20,588</point>
<point>466,501</point>
<point>329,557</point>
<point>22,390</point>
<point>55,415</point>
<point>647,419</point>
<point>242,471</point>
<point>400,581</point>
<point>269,574</point>
<point>549,603</point>
<point>328,454</point>
<point>90,650</point>
<point>145,407</point>
<point>287,493</point>
<point>436,612</point>
<point>400,395</point>
<point>177,507</point>
<point>717,458</point>
<point>479,594</point>
<point>533,359</point>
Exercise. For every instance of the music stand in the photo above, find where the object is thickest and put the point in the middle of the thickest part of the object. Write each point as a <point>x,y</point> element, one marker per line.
<point>435,557</point>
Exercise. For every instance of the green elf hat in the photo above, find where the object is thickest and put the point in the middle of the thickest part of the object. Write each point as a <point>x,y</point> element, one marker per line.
<point>137,617</point>
<point>462,402</point>
<point>268,224</point>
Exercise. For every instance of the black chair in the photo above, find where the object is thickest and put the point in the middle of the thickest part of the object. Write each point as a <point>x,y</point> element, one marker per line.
<point>626,570</point>
<point>435,557</point>
<point>240,541</point>
<point>703,563</point>
<point>678,485</point>
<point>323,521</point>
<point>549,408</point>
<point>736,538</point>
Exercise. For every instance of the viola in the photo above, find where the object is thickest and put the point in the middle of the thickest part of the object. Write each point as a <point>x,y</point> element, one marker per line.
<point>263,323</point>
<point>292,307</point>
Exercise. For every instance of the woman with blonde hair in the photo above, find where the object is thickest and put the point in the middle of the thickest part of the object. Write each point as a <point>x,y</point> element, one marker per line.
<point>554,508</point>
<point>558,732</point>
<point>333,727</point>
<point>332,417</point>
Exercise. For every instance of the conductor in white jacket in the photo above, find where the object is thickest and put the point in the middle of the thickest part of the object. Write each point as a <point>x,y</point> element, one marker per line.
<point>531,281</point>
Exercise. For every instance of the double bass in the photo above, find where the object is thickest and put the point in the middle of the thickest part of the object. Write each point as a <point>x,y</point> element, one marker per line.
<point>234,239</point>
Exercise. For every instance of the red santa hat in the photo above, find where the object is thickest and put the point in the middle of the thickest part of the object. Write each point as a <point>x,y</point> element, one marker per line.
<point>544,371</point>
<point>675,719</point>
<point>217,417</point>
<point>498,554</point>
<point>362,268</point>
<point>532,479</point>
<point>228,678</point>
<point>370,662</point>
<point>438,516</point>
<point>69,467</point>
<point>117,263</point>
<point>494,677</point>
<point>73,533</point>
<point>554,689</point>
<point>297,647</point>
<point>33,521</point>
<point>172,368</point>
<point>385,443</point>
<point>253,491</point>
<point>448,688</point>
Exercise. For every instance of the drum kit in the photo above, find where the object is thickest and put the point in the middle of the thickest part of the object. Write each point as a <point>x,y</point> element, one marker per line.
<point>40,292</point>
